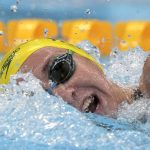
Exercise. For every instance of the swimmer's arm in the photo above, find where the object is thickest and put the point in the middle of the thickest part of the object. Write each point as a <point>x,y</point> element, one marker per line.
<point>144,84</point>
<point>123,94</point>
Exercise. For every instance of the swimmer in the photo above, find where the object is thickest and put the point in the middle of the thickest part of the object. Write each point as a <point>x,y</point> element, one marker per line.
<point>71,73</point>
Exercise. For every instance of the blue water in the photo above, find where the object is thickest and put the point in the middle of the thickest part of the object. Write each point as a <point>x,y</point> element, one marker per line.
<point>109,10</point>
<point>30,118</point>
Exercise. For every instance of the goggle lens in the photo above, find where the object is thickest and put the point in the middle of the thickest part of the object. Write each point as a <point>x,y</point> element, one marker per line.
<point>61,69</point>
<point>60,72</point>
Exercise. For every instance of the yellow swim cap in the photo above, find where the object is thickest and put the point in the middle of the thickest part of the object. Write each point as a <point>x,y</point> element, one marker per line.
<point>13,60</point>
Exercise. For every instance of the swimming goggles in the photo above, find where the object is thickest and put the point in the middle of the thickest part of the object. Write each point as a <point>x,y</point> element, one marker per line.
<point>61,69</point>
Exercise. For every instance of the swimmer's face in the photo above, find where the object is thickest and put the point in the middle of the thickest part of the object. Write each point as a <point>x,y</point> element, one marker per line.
<point>87,89</point>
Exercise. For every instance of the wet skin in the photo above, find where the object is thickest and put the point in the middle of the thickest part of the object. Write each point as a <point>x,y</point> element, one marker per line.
<point>145,78</point>
<point>88,89</point>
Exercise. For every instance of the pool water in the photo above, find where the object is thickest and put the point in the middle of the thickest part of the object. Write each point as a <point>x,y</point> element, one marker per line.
<point>30,118</point>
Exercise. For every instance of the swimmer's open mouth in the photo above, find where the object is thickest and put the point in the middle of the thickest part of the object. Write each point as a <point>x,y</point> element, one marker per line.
<point>90,104</point>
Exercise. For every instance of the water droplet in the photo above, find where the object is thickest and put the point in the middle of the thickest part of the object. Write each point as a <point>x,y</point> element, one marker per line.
<point>1,33</point>
<point>103,40</point>
<point>88,11</point>
<point>18,1</point>
<point>123,42</point>
<point>13,8</point>
<point>45,32</point>
<point>129,35</point>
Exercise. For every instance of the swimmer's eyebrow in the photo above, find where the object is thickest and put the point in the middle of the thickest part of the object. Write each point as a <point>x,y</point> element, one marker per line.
<point>51,59</point>
<point>49,62</point>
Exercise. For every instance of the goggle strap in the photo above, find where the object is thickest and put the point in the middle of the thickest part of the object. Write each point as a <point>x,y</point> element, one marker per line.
<point>70,52</point>
<point>49,90</point>
<point>53,85</point>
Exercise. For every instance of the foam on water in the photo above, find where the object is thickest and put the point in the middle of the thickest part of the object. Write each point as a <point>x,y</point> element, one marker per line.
<point>90,49</point>
<point>30,118</point>
<point>27,112</point>
<point>126,67</point>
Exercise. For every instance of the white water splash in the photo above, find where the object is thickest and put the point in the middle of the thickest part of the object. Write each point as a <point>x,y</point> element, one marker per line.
<point>90,49</point>
<point>126,67</point>
<point>30,117</point>
<point>28,112</point>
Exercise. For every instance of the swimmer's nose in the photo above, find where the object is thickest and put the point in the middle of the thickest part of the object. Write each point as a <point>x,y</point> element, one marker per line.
<point>70,95</point>
<point>65,93</point>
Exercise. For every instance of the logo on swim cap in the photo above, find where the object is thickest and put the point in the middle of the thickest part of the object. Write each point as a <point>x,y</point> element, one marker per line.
<point>8,62</point>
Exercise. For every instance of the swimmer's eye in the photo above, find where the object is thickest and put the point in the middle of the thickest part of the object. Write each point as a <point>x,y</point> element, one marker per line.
<point>61,69</point>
